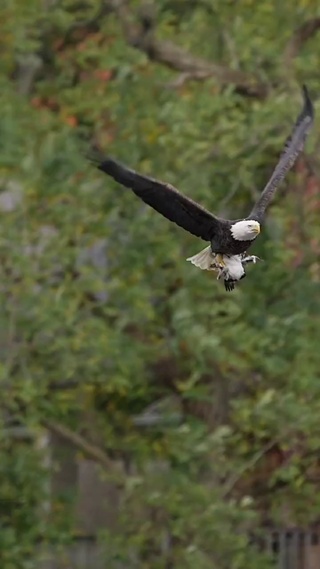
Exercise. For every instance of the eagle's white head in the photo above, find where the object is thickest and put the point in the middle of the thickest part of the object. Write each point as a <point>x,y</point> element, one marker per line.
<point>245,230</point>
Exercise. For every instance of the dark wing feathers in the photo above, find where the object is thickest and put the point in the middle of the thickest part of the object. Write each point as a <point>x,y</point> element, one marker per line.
<point>293,146</point>
<point>162,197</point>
<point>186,213</point>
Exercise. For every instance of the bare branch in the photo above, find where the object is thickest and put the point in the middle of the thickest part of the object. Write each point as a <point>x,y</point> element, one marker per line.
<point>91,451</point>
<point>142,37</point>
<point>300,36</point>
<point>233,481</point>
<point>249,465</point>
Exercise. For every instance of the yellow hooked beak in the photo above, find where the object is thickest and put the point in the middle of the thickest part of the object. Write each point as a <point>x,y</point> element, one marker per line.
<point>257,229</point>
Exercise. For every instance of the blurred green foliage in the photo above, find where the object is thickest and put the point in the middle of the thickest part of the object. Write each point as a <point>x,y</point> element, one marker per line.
<point>97,296</point>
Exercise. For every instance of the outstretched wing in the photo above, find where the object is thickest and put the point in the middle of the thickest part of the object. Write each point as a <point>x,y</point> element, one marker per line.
<point>292,149</point>
<point>162,197</point>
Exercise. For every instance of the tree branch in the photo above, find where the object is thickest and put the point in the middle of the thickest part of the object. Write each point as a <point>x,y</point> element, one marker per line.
<point>91,451</point>
<point>234,479</point>
<point>142,37</point>
<point>300,36</point>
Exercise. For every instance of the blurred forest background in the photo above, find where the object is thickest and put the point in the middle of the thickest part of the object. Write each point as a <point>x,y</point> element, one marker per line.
<point>131,381</point>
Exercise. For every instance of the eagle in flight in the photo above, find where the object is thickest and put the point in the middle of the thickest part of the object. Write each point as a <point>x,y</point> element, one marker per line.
<point>229,239</point>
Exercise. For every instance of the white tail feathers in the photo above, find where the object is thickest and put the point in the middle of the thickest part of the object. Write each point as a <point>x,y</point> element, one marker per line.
<point>203,260</point>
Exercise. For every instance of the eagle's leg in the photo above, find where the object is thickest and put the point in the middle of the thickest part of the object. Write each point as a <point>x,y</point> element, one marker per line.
<point>219,259</point>
<point>222,272</point>
<point>250,259</point>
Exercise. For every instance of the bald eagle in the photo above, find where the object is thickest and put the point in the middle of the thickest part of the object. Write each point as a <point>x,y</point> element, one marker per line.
<point>228,240</point>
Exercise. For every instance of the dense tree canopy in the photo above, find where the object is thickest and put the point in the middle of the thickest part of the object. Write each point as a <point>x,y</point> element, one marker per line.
<point>108,337</point>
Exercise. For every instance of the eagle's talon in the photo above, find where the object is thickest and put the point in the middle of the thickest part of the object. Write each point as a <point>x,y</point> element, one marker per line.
<point>219,260</point>
<point>251,259</point>
<point>221,273</point>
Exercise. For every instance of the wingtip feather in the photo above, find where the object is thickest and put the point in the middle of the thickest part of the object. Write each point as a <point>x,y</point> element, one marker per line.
<point>95,156</point>
<point>308,105</point>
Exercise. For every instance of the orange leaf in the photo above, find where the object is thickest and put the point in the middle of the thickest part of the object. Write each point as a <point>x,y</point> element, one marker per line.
<point>103,74</point>
<point>71,120</point>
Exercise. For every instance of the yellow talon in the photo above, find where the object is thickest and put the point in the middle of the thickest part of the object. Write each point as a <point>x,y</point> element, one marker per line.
<point>219,259</point>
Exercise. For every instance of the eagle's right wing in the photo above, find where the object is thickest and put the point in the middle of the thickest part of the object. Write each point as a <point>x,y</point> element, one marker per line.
<point>292,149</point>
<point>162,197</point>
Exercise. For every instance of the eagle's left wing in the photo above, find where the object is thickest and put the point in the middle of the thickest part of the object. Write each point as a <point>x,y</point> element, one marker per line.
<point>162,197</point>
<point>292,149</point>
